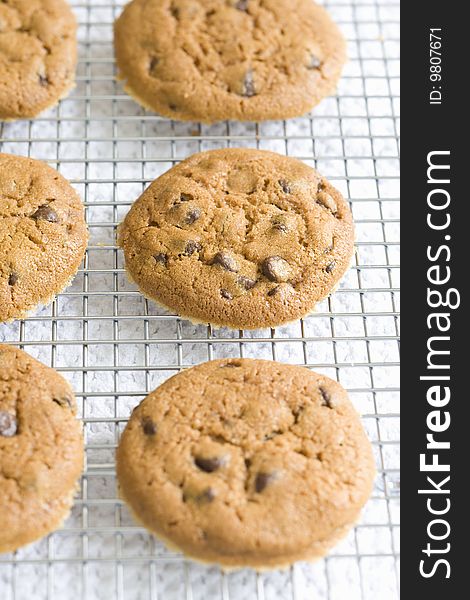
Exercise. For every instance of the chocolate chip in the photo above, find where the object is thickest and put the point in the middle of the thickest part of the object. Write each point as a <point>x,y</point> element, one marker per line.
<point>246,283</point>
<point>230,365</point>
<point>226,261</point>
<point>208,495</point>
<point>274,291</point>
<point>285,186</point>
<point>175,12</point>
<point>226,294</point>
<point>208,465</point>
<point>192,247</point>
<point>185,197</point>
<point>149,426</point>
<point>326,398</point>
<point>276,268</point>
<point>192,216</point>
<point>13,278</point>
<point>247,463</point>
<point>329,268</point>
<point>45,213</point>
<point>249,89</point>
<point>329,249</point>
<point>272,435</point>
<point>315,62</point>
<point>242,5</point>
<point>296,413</point>
<point>8,425</point>
<point>280,225</point>
<point>153,63</point>
<point>63,401</point>
<point>327,202</point>
<point>262,480</point>
<point>162,259</point>
<point>43,81</point>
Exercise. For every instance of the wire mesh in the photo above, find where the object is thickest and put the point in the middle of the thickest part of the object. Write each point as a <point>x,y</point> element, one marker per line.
<point>115,347</point>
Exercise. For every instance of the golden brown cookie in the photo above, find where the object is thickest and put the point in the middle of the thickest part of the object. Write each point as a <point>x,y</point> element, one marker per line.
<point>239,238</point>
<point>43,235</point>
<point>41,449</point>
<point>210,60</point>
<point>246,462</point>
<point>38,56</point>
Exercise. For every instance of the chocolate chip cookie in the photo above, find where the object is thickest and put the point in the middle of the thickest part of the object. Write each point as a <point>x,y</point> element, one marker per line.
<point>43,235</point>
<point>38,56</point>
<point>246,462</point>
<point>210,60</point>
<point>239,238</point>
<point>41,449</point>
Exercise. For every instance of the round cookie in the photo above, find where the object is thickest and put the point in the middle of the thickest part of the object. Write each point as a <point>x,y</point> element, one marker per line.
<point>246,462</point>
<point>210,60</point>
<point>38,56</point>
<point>238,237</point>
<point>41,449</point>
<point>43,235</point>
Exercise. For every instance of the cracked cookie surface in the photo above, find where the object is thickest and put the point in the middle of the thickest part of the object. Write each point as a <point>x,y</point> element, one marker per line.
<point>41,449</point>
<point>43,235</point>
<point>38,56</point>
<point>246,462</point>
<point>210,60</point>
<point>238,237</point>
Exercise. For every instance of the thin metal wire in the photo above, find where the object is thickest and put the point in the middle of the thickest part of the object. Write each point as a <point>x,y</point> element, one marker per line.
<point>101,330</point>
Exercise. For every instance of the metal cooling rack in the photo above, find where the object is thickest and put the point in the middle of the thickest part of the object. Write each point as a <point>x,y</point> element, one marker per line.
<point>115,347</point>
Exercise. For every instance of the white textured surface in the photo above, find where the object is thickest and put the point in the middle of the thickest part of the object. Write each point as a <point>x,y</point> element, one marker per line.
<point>114,346</point>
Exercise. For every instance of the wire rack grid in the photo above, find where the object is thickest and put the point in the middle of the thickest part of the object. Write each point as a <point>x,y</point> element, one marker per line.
<point>115,347</point>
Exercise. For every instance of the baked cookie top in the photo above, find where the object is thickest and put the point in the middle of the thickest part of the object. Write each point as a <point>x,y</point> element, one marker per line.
<point>210,60</point>
<point>246,462</point>
<point>41,449</point>
<point>43,235</point>
<point>238,237</point>
<point>38,55</point>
